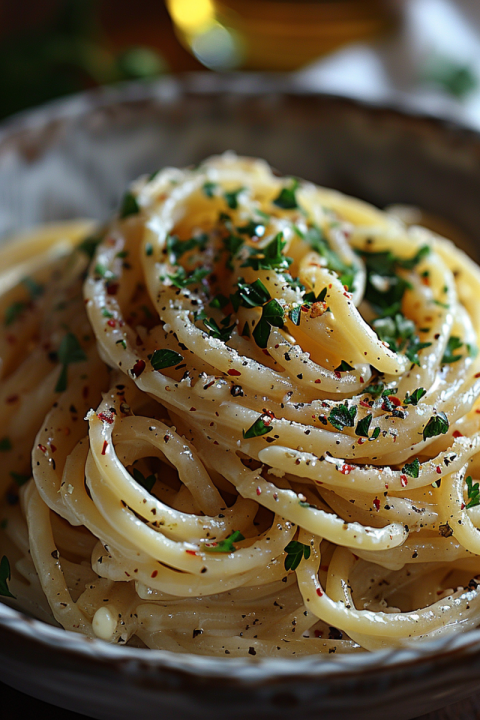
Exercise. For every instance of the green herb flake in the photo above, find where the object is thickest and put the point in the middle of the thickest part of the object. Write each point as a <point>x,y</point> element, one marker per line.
<point>231,198</point>
<point>363,426</point>
<point>287,199</point>
<point>454,343</point>
<point>412,469</point>
<point>219,333</point>
<point>219,302</point>
<point>181,279</point>
<point>270,257</point>
<point>342,417</point>
<point>106,313</point>
<point>295,314</point>
<point>224,546</point>
<point>104,272</point>
<point>296,551</point>
<point>165,358</point>
<point>272,315</point>
<point>437,425</point>
<point>209,188</point>
<point>473,491</point>
<point>415,397</point>
<point>89,245</point>
<point>260,427</point>
<point>176,247</point>
<point>145,482</point>
<point>129,206</point>
<point>69,352</point>
<point>148,249</point>
<point>250,295</point>
<point>5,577</point>
<point>344,367</point>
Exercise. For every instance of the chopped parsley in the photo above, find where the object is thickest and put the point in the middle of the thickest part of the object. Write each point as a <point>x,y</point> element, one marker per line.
<point>415,397</point>
<point>454,343</point>
<point>412,469</point>
<point>272,315</point>
<point>220,333</point>
<point>344,367</point>
<point>104,272</point>
<point>129,205</point>
<point>287,198</point>
<point>5,577</point>
<point>296,551</point>
<point>250,295</point>
<point>176,247</point>
<point>260,427</point>
<point>270,257</point>
<point>89,245</point>
<point>165,358</point>
<point>342,417</point>
<point>181,279</point>
<point>145,482</point>
<point>225,546</point>
<point>473,493</point>
<point>363,426</point>
<point>219,301</point>
<point>231,198</point>
<point>437,425</point>
<point>209,188</point>
<point>319,243</point>
<point>69,352</point>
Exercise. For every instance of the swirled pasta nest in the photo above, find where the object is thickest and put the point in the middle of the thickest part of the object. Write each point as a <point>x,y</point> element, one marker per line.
<point>280,449</point>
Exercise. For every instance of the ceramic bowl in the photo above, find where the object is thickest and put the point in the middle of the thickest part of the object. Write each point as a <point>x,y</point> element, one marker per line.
<point>73,158</point>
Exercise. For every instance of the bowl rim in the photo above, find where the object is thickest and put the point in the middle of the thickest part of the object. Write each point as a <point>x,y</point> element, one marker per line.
<point>249,670</point>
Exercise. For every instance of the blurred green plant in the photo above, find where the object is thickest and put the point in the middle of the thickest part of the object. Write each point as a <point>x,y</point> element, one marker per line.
<point>68,55</point>
<point>451,76</point>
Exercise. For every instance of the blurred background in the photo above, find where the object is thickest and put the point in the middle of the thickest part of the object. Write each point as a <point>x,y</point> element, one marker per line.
<point>424,52</point>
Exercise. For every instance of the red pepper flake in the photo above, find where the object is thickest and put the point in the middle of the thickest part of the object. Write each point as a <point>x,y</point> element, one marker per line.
<point>376,504</point>
<point>85,391</point>
<point>112,288</point>
<point>438,469</point>
<point>365,403</point>
<point>318,381</point>
<point>42,448</point>
<point>462,506</point>
<point>319,592</point>
<point>234,372</point>
<point>111,323</point>
<point>104,449</point>
<point>395,400</point>
<point>477,375</point>
<point>259,491</point>
<point>265,352</point>
<point>361,379</point>
<point>106,417</point>
<point>154,574</point>
<point>138,368</point>
<point>337,373</point>
<point>190,552</point>
<point>53,448</point>
<point>192,409</point>
<point>12,399</point>
<point>404,482</point>
<point>360,441</point>
<point>457,434</point>
<point>346,469</point>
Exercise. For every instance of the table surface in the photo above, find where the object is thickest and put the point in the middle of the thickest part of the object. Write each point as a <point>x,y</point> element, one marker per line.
<point>21,705</point>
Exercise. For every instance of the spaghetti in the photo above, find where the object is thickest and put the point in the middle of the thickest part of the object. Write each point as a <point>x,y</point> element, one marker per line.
<point>281,437</point>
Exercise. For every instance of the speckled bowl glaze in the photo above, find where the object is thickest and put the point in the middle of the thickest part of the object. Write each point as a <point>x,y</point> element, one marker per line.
<point>73,158</point>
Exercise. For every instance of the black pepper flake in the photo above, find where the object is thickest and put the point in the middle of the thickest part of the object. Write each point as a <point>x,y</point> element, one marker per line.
<point>252,651</point>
